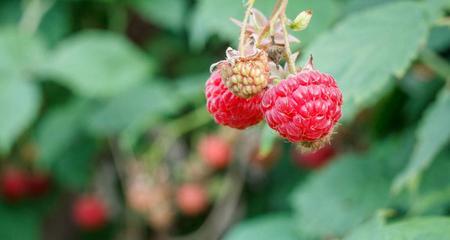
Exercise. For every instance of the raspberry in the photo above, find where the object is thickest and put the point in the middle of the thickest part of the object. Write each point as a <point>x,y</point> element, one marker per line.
<point>247,76</point>
<point>215,151</point>
<point>316,159</point>
<point>228,109</point>
<point>192,199</point>
<point>89,213</point>
<point>14,184</point>
<point>304,107</point>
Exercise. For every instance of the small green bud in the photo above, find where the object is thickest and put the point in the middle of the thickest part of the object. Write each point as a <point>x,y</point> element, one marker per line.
<point>302,20</point>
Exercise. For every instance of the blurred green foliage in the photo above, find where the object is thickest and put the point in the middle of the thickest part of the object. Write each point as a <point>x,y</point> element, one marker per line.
<point>94,71</point>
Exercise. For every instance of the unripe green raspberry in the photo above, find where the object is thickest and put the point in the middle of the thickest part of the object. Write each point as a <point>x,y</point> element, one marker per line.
<point>247,76</point>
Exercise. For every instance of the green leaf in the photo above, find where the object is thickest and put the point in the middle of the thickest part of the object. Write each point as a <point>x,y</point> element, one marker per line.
<point>344,194</point>
<point>74,168</point>
<point>264,228</point>
<point>433,134</point>
<point>358,5</point>
<point>58,13</point>
<point>9,12</point>
<point>433,193</point>
<point>370,230</point>
<point>20,55</point>
<point>19,223</point>
<point>59,129</point>
<point>98,64</point>
<point>143,104</point>
<point>19,105</point>
<point>166,13</point>
<point>213,17</point>
<point>64,147</point>
<point>439,38</point>
<point>429,228</point>
<point>366,49</point>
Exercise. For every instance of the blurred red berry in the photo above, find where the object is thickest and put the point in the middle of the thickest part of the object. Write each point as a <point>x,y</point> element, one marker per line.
<point>215,151</point>
<point>89,213</point>
<point>38,184</point>
<point>14,184</point>
<point>192,199</point>
<point>316,159</point>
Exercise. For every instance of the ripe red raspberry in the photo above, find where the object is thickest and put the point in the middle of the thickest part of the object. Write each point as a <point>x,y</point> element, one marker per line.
<point>192,199</point>
<point>246,76</point>
<point>215,151</point>
<point>14,184</point>
<point>89,213</point>
<point>304,107</point>
<point>316,159</point>
<point>228,109</point>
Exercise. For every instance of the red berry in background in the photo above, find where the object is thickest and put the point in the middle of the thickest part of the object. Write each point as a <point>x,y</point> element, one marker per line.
<point>316,159</point>
<point>215,151</point>
<point>14,184</point>
<point>89,213</point>
<point>192,199</point>
<point>38,184</point>
<point>304,107</point>
<point>228,109</point>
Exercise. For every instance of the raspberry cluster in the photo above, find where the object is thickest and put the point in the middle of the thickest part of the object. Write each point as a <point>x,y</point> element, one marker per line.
<point>302,104</point>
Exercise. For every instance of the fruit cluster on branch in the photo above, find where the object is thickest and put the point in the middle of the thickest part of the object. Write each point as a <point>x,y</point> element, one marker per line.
<point>302,104</point>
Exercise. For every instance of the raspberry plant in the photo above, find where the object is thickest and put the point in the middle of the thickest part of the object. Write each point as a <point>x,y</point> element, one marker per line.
<point>302,104</point>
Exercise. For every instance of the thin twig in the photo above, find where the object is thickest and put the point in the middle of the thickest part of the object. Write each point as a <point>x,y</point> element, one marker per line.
<point>244,26</point>
<point>224,210</point>
<point>276,15</point>
<point>266,28</point>
<point>287,47</point>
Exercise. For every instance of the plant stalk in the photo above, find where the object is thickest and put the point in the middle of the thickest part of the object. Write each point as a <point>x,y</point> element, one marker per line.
<point>244,26</point>
<point>287,47</point>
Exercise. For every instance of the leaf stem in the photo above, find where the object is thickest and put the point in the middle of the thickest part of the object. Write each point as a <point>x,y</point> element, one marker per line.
<point>439,65</point>
<point>244,26</point>
<point>287,47</point>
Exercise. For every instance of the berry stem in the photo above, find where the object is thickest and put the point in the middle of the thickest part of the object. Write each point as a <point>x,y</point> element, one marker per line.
<point>287,47</point>
<point>244,27</point>
<point>267,27</point>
